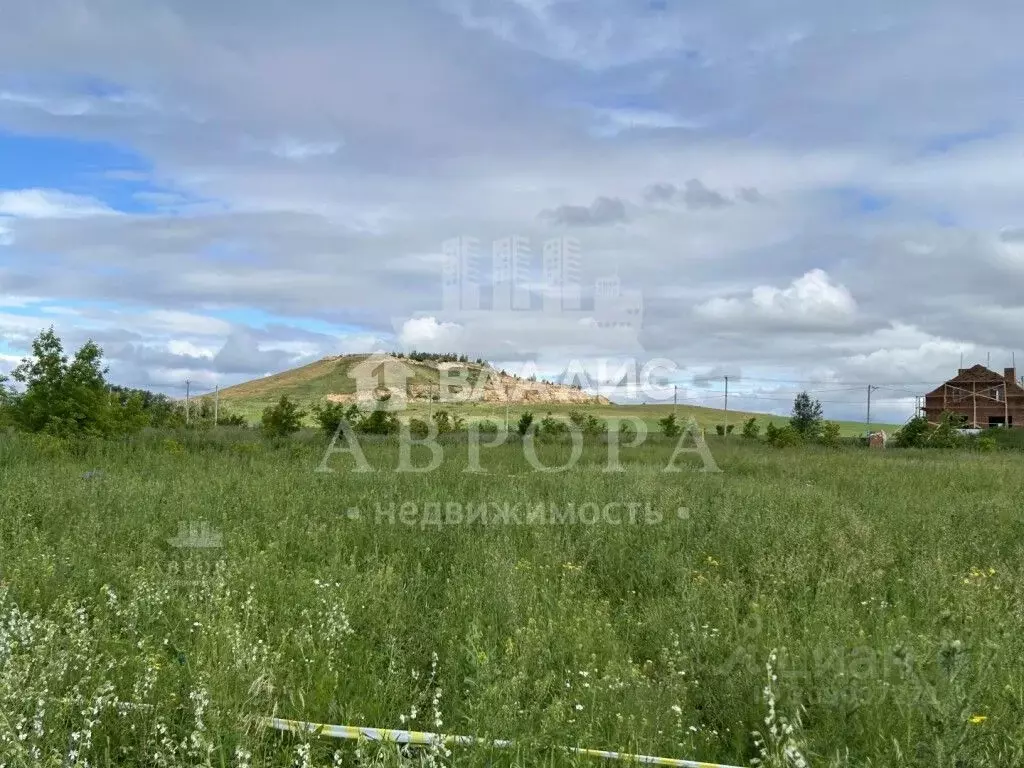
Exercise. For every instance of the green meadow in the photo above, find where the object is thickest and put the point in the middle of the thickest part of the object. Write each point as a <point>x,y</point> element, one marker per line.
<point>838,607</point>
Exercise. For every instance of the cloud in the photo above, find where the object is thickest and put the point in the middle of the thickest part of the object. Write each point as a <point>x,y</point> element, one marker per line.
<point>749,195</point>
<point>812,301</point>
<point>48,204</point>
<point>291,148</point>
<point>243,354</point>
<point>178,322</point>
<point>427,334</point>
<point>695,195</point>
<point>717,374</point>
<point>607,37</point>
<point>601,212</point>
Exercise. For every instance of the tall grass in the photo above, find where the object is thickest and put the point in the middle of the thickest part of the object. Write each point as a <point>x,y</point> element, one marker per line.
<point>883,589</point>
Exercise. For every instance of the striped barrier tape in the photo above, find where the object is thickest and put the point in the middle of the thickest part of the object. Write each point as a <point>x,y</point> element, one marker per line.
<point>423,738</point>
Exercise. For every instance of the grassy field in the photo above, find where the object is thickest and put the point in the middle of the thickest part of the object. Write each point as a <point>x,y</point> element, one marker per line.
<point>638,613</point>
<point>707,418</point>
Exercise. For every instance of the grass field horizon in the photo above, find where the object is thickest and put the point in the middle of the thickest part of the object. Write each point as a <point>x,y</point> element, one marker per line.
<point>887,583</point>
<point>310,384</point>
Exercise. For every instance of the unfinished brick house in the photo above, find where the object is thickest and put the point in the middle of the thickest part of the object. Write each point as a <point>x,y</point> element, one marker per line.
<point>982,397</point>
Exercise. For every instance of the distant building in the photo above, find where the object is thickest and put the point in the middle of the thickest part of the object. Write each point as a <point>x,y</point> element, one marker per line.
<point>982,397</point>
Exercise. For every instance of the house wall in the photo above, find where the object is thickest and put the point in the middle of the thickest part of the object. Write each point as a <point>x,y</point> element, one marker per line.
<point>934,408</point>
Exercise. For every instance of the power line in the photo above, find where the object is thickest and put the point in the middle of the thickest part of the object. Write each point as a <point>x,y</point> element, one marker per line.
<point>831,382</point>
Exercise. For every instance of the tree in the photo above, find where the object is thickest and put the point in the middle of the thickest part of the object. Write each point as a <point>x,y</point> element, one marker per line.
<point>62,397</point>
<point>283,419</point>
<point>751,429</point>
<point>806,419</point>
<point>159,409</point>
<point>670,426</point>
<point>7,400</point>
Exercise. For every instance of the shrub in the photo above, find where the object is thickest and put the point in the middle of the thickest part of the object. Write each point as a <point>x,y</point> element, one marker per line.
<point>945,435</point>
<point>670,426</point>
<point>986,443</point>
<point>913,434</point>
<point>173,447</point>
<point>729,428</point>
<point>378,422</point>
<point>232,420</point>
<point>720,429</point>
<point>447,422</point>
<point>751,429</point>
<point>552,427</point>
<point>784,437</point>
<point>418,428</point>
<point>525,422</point>
<point>329,416</point>
<point>487,427</point>
<point>627,430</point>
<point>830,434</point>
<point>281,420</point>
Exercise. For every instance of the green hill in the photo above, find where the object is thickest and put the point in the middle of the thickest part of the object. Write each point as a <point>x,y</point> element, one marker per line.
<point>334,376</point>
<point>314,382</point>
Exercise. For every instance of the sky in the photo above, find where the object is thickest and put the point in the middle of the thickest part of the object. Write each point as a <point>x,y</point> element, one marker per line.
<point>806,195</point>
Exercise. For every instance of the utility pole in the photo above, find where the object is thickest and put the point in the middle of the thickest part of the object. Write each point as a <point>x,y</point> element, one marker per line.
<point>867,422</point>
<point>727,406</point>
<point>186,401</point>
<point>216,403</point>
<point>675,398</point>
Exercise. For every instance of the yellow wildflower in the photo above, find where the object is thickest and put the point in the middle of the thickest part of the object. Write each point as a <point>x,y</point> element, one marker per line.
<point>977,719</point>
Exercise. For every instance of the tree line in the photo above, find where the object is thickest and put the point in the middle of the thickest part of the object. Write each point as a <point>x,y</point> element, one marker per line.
<point>69,396</point>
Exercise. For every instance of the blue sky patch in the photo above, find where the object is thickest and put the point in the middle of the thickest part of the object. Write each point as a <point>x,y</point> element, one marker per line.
<point>100,170</point>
